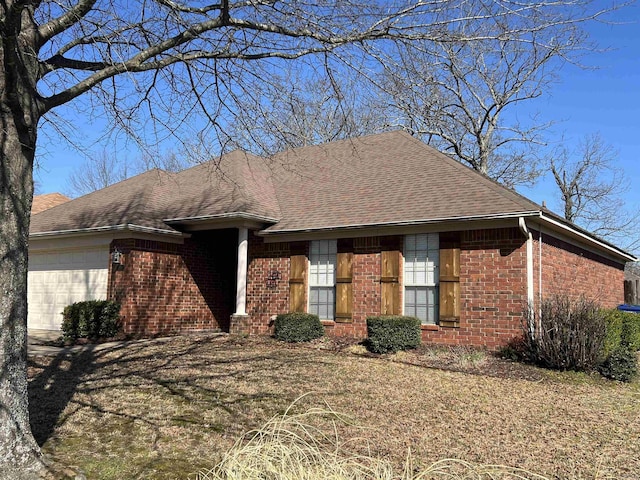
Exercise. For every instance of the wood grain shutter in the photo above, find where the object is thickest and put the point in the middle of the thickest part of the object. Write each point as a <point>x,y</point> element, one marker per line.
<point>297,290</point>
<point>450,280</point>
<point>344,287</point>
<point>389,282</point>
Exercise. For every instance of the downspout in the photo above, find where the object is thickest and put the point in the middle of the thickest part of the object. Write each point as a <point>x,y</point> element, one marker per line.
<point>540,268</point>
<point>530,306</point>
<point>525,231</point>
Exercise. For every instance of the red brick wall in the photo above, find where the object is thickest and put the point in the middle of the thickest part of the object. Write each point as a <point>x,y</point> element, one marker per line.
<point>493,287</point>
<point>573,271</point>
<point>267,282</point>
<point>167,288</point>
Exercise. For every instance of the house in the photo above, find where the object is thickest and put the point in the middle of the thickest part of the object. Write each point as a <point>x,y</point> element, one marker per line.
<point>45,201</point>
<point>382,224</point>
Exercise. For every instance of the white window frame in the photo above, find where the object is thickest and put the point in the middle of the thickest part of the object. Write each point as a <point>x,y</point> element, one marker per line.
<point>422,272</point>
<point>323,255</point>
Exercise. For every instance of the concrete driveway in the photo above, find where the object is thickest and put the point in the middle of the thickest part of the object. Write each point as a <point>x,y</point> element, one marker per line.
<point>40,343</point>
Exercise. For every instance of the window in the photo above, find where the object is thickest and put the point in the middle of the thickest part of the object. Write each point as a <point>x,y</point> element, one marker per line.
<point>421,258</point>
<point>322,278</point>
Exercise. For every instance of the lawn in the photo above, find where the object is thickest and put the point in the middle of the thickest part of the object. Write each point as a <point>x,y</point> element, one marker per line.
<point>167,408</point>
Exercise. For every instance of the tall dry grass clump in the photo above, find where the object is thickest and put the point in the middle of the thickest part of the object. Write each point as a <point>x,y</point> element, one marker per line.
<point>296,447</point>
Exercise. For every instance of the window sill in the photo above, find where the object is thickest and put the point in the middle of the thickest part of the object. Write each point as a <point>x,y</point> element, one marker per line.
<point>430,327</point>
<point>328,323</point>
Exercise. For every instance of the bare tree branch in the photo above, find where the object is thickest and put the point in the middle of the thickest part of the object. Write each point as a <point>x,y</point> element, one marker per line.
<point>592,189</point>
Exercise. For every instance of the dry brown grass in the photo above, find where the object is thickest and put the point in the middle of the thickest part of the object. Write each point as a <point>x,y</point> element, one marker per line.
<point>168,408</point>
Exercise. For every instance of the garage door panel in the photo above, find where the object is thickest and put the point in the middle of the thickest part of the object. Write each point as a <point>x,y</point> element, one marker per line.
<point>57,279</point>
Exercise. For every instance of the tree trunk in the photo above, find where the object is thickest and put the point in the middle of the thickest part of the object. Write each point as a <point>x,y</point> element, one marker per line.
<point>19,453</point>
<point>20,456</point>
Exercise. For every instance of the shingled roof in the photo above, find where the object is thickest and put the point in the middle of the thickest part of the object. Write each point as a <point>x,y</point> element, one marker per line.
<point>385,179</point>
<point>389,178</point>
<point>46,201</point>
<point>237,182</point>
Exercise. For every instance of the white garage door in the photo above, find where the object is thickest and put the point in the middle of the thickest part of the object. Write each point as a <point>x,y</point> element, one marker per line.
<point>57,279</point>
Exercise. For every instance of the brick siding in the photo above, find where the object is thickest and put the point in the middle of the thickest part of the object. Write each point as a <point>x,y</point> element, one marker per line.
<point>168,288</point>
<point>493,290</point>
<point>573,271</point>
<point>493,283</point>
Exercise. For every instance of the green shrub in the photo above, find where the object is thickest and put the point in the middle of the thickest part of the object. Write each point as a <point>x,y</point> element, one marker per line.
<point>631,331</point>
<point>392,333</point>
<point>298,327</point>
<point>621,365</point>
<point>623,329</point>
<point>91,319</point>
<point>613,337</point>
<point>565,334</point>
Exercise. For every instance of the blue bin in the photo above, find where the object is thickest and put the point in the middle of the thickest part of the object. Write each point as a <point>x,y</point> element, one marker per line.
<point>629,308</point>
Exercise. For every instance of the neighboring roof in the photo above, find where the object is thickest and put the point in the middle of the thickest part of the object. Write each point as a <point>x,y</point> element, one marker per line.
<point>389,179</point>
<point>47,201</point>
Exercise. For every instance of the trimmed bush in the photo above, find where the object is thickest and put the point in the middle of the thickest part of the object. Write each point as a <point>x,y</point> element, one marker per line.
<point>392,333</point>
<point>631,331</point>
<point>623,330</point>
<point>565,334</point>
<point>621,365</point>
<point>298,327</point>
<point>613,336</point>
<point>91,319</point>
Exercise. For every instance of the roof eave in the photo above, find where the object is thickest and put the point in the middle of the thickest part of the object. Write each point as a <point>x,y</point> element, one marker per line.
<point>222,220</point>
<point>106,229</point>
<point>404,223</point>
<point>575,232</point>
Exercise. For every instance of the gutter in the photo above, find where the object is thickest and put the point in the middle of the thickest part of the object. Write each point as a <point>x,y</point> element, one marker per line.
<point>587,238</point>
<point>222,216</point>
<point>408,223</point>
<point>108,229</point>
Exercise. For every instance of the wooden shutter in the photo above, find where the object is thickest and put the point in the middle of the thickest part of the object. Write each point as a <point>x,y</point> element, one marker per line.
<point>297,290</point>
<point>344,287</point>
<point>389,280</point>
<point>449,282</point>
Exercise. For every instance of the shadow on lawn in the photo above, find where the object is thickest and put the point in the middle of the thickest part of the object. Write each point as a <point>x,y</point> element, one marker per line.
<point>52,389</point>
<point>63,385</point>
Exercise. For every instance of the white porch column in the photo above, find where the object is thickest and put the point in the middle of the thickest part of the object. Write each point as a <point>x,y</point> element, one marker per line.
<point>241,274</point>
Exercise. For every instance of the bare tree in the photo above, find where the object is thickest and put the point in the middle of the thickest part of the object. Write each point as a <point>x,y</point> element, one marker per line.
<point>295,109</point>
<point>108,168</point>
<point>461,97</point>
<point>98,172</point>
<point>592,188</point>
<point>176,64</point>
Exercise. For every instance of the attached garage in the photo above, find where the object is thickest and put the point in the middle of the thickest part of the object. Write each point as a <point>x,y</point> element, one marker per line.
<point>61,277</point>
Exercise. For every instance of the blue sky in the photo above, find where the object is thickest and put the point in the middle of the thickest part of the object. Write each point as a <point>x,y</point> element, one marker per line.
<point>603,100</point>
